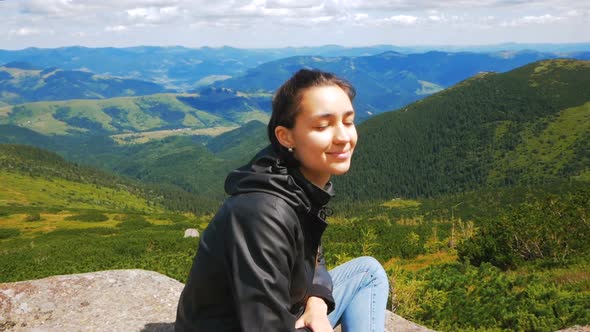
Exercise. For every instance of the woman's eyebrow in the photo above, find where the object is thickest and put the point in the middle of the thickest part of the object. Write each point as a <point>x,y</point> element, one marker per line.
<point>330,114</point>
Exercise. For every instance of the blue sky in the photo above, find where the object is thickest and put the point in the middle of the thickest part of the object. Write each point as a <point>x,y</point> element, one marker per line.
<point>280,23</point>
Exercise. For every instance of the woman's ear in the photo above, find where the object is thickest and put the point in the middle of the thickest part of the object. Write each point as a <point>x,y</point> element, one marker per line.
<point>284,136</point>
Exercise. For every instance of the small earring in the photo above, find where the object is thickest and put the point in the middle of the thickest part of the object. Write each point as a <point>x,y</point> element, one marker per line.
<point>290,149</point>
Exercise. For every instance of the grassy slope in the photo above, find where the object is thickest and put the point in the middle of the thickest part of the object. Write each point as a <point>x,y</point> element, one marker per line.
<point>121,115</point>
<point>23,85</point>
<point>25,190</point>
<point>55,220</point>
<point>552,149</point>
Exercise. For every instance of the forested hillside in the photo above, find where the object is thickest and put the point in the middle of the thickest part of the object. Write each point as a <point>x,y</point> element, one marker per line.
<point>195,163</point>
<point>32,164</point>
<point>527,126</point>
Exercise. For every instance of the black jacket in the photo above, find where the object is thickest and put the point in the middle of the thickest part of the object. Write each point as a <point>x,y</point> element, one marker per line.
<point>260,258</point>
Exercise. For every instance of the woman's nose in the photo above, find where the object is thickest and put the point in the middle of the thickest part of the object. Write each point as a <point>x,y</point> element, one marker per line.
<point>341,134</point>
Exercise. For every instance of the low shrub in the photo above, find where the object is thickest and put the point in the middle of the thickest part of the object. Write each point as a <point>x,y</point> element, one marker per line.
<point>133,222</point>
<point>33,217</point>
<point>89,217</point>
<point>6,233</point>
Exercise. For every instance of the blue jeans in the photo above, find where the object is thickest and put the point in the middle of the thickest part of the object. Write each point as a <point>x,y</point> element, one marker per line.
<point>361,288</point>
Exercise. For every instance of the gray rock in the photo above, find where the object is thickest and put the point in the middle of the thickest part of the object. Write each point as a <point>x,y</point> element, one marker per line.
<point>191,232</point>
<point>116,300</point>
<point>576,328</point>
<point>396,323</point>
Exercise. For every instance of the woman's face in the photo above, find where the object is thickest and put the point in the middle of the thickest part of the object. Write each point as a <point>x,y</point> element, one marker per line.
<point>324,135</point>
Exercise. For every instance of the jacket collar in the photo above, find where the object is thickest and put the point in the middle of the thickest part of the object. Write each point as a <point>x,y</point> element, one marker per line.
<point>318,196</point>
<point>268,173</point>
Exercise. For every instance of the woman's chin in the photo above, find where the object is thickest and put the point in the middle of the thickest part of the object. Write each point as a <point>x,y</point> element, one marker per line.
<point>340,169</point>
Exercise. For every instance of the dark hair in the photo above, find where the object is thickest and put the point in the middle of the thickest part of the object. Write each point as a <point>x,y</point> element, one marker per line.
<point>287,100</point>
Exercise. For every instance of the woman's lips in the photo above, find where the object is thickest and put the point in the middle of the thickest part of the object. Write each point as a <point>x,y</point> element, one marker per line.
<point>340,154</point>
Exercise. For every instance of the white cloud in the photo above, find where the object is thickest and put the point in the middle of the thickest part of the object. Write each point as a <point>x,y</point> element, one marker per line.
<point>526,20</point>
<point>153,15</point>
<point>59,8</point>
<point>25,31</point>
<point>402,19</point>
<point>384,21</point>
<point>291,3</point>
<point>117,28</point>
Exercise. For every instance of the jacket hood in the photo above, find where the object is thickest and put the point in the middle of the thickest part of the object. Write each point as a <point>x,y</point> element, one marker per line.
<point>267,173</point>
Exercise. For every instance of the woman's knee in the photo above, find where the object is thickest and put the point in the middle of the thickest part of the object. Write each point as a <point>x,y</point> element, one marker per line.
<point>374,268</point>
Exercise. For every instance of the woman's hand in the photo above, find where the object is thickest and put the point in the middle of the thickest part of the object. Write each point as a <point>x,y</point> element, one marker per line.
<point>315,316</point>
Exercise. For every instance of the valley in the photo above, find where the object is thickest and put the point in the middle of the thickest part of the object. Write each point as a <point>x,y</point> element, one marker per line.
<point>470,186</point>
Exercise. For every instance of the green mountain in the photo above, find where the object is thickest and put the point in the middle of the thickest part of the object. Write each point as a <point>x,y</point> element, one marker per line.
<point>134,114</point>
<point>42,179</point>
<point>196,164</point>
<point>241,143</point>
<point>35,177</point>
<point>23,83</point>
<point>526,126</point>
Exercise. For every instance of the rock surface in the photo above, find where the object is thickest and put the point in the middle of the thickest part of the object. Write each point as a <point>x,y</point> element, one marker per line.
<point>115,300</point>
<point>191,232</point>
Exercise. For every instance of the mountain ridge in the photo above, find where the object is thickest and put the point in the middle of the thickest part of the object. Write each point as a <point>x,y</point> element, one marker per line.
<point>450,141</point>
<point>388,80</point>
<point>24,82</point>
<point>132,114</point>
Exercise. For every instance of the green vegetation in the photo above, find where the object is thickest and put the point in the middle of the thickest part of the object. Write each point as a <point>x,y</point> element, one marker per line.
<point>6,233</point>
<point>553,229</point>
<point>419,242</point>
<point>65,250</point>
<point>242,143</point>
<point>447,256</point>
<point>22,83</point>
<point>90,216</point>
<point>457,297</point>
<point>61,184</point>
<point>58,218</point>
<point>132,114</point>
<point>527,126</point>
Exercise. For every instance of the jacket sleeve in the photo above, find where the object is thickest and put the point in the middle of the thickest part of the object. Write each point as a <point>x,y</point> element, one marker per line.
<point>260,252</point>
<point>322,281</point>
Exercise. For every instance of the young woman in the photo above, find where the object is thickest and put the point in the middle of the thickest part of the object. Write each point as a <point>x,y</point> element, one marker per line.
<point>260,266</point>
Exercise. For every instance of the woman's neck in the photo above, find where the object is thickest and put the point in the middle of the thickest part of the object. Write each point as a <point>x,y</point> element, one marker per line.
<point>320,180</point>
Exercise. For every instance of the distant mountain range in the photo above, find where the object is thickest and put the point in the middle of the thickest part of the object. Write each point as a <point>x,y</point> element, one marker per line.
<point>178,68</point>
<point>184,69</point>
<point>385,81</point>
<point>389,80</point>
<point>22,82</point>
